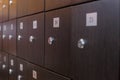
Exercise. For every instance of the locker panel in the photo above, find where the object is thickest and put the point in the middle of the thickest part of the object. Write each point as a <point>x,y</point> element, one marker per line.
<point>38,73</point>
<point>22,10</point>
<point>1,3</point>
<point>35,6</point>
<point>22,38</point>
<point>53,4</point>
<point>57,40</point>
<point>12,37</point>
<point>0,36</point>
<point>36,39</point>
<point>12,9</point>
<point>5,10</point>
<point>23,70</point>
<point>81,1</point>
<point>12,68</point>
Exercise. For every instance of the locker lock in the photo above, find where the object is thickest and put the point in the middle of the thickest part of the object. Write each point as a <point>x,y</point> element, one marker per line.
<point>10,37</point>
<point>81,43</point>
<point>51,40</point>
<point>19,37</point>
<point>10,71</point>
<point>19,77</point>
<point>3,66</point>
<point>3,36</point>
<point>31,38</point>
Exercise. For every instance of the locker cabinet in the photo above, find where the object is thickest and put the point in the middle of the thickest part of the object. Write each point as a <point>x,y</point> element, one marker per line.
<point>90,61</point>
<point>4,67</point>
<point>5,37</point>
<point>22,70</point>
<point>22,36</point>
<point>57,40</point>
<point>12,37</point>
<point>12,68</point>
<point>12,9</point>
<point>35,6</point>
<point>5,10</point>
<point>1,3</point>
<point>38,73</point>
<point>0,36</point>
<point>53,4</point>
<point>36,39</point>
<point>22,10</point>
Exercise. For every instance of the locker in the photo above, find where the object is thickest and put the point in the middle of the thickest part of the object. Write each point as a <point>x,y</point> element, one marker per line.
<point>53,4</point>
<point>35,6</point>
<point>1,3</point>
<point>12,9</point>
<point>5,36</point>
<point>12,37</point>
<point>88,54</point>
<point>12,68</point>
<point>5,10</point>
<point>81,1</point>
<point>22,10</point>
<point>38,73</point>
<point>57,40</point>
<point>23,70</point>
<point>0,36</point>
<point>4,67</point>
<point>36,39</point>
<point>22,37</point>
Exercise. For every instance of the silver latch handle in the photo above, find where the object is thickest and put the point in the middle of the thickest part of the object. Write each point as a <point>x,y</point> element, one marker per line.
<point>81,43</point>
<point>3,36</point>
<point>10,37</point>
<point>31,38</point>
<point>10,2</point>
<point>10,71</point>
<point>51,40</point>
<point>19,77</point>
<point>4,6</point>
<point>3,66</point>
<point>19,37</point>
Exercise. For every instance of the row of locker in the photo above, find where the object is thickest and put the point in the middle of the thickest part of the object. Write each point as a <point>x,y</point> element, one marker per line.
<point>10,9</point>
<point>73,41</point>
<point>12,68</point>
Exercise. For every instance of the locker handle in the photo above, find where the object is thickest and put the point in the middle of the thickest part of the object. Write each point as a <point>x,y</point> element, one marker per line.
<point>4,6</point>
<point>81,43</point>
<point>51,40</point>
<point>31,38</point>
<point>3,66</point>
<point>10,2</point>
<point>19,77</point>
<point>3,36</point>
<point>10,71</point>
<point>19,37</point>
<point>10,37</point>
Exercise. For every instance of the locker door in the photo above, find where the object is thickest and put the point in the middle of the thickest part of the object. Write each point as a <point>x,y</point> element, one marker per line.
<point>57,40</point>
<point>38,73</point>
<point>4,70</point>
<point>5,10</point>
<point>35,6</point>
<point>22,10</point>
<point>36,39</point>
<point>23,70</point>
<point>5,37</point>
<point>12,37</point>
<point>12,68</point>
<point>1,4</point>
<point>81,1</point>
<point>53,4</point>
<point>22,38</point>
<point>12,9</point>
<point>87,42</point>
<point>0,36</point>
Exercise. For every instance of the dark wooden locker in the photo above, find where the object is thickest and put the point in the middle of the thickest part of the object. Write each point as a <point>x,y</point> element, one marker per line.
<point>22,70</point>
<point>1,4</point>
<point>36,39</point>
<point>12,37</point>
<point>57,40</point>
<point>53,4</point>
<point>81,1</point>
<point>12,68</point>
<point>5,10</point>
<point>22,37</point>
<point>35,6</point>
<point>5,37</point>
<point>0,36</point>
<point>38,73</point>
<point>4,67</point>
<point>12,9</point>
<point>89,58</point>
<point>22,7</point>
